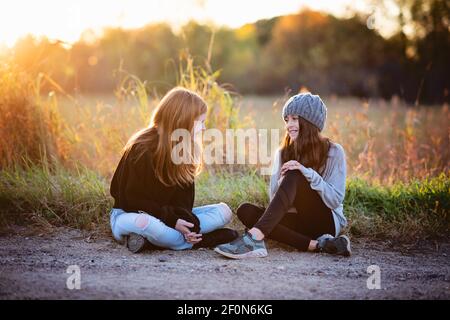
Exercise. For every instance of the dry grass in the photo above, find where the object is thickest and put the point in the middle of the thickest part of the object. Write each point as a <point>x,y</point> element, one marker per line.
<point>384,141</point>
<point>398,157</point>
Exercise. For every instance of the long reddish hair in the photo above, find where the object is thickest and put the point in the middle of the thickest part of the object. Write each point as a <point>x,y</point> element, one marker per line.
<point>178,109</point>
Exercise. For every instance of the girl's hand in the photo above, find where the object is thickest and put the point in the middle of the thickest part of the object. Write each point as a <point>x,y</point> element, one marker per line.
<point>183,226</point>
<point>193,237</point>
<point>290,165</point>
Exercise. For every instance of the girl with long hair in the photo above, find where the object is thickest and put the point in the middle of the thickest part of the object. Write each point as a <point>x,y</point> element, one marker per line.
<point>153,190</point>
<point>307,190</point>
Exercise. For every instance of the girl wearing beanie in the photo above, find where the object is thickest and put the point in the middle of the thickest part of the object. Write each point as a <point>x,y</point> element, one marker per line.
<point>154,195</point>
<point>307,190</point>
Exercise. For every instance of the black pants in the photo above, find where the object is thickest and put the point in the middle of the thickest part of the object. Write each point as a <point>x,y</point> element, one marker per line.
<point>313,217</point>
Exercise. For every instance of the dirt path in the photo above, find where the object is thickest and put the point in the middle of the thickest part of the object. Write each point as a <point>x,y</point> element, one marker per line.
<point>35,266</point>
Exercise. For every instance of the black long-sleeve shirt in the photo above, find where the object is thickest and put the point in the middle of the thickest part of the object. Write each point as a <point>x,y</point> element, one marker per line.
<point>135,187</point>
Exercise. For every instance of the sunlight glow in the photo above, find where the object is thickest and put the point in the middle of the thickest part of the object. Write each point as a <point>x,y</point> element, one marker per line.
<point>66,20</point>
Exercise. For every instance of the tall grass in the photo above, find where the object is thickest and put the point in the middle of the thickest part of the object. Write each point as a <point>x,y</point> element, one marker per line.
<point>223,110</point>
<point>30,127</point>
<point>391,143</point>
<point>96,131</point>
<point>385,141</point>
<point>80,199</point>
<point>57,155</point>
<point>50,194</point>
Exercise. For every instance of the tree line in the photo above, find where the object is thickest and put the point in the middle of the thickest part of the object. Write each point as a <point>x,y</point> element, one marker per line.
<point>321,52</point>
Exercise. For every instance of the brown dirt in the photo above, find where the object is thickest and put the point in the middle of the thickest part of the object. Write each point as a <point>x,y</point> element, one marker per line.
<point>33,266</point>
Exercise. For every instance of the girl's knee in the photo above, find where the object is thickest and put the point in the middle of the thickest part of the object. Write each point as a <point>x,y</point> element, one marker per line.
<point>243,209</point>
<point>293,175</point>
<point>226,212</point>
<point>142,221</point>
<point>294,180</point>
<point>247,213</point>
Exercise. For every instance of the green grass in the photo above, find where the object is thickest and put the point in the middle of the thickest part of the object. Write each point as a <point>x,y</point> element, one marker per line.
<point>54,196</point>
<point>403,210</point>
<point>80,198</point>
<point>232,189</point>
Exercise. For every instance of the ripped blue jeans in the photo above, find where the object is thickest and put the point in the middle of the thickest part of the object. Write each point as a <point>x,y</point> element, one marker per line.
<point>212,217</point>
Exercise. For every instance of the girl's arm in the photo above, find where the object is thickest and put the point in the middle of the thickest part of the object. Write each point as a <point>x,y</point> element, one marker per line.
<point>332,190</point>
<point>184,197</point>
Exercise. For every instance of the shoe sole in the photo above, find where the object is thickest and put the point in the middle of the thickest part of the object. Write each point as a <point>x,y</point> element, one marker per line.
<point>135,243</point>
<point>348,249</point>
<point>258,253</point>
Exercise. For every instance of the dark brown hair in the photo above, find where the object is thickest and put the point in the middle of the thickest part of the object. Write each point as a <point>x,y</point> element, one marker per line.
<point>310,148</point>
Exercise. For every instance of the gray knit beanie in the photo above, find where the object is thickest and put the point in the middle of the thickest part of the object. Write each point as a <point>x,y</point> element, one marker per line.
<point>308,106</point>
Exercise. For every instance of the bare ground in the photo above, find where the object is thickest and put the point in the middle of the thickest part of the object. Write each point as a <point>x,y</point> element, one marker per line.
<point>33,266</point>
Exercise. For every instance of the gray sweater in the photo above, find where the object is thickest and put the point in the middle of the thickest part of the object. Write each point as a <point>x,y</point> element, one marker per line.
<point>331,187</point>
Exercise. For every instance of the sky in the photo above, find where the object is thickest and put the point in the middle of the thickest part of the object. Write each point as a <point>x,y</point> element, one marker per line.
<point>65,20</point>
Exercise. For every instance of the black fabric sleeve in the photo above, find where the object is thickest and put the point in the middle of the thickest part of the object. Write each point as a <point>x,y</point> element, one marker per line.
<point>140,199</point>
<point>184,197</point>
<point>188,216</point>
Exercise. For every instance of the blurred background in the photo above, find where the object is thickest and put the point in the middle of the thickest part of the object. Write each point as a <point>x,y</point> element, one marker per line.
<point>365,48</point>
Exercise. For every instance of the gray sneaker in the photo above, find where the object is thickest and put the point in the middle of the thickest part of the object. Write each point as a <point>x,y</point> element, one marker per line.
<point>339,245</point>
<point>243,247</point>
<point>135,242</point>
<point>322,240</point>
